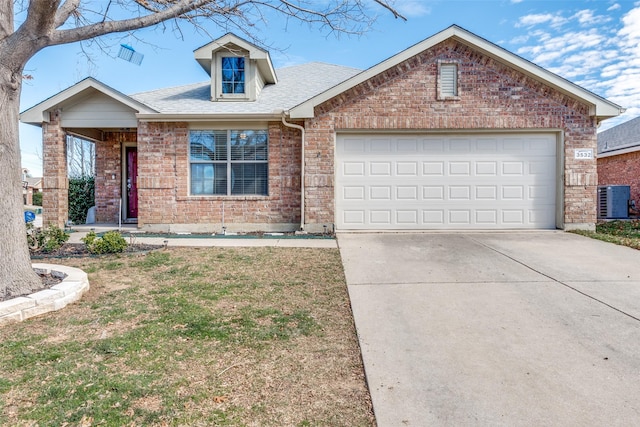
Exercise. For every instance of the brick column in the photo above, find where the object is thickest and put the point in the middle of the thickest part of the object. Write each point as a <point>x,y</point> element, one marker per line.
<point>55,186</point>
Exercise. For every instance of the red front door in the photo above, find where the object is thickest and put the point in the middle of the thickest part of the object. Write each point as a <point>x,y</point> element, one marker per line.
<point>132,182</point>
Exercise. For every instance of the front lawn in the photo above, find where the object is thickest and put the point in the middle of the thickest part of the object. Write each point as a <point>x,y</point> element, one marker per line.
<point>625,233</point>
<point>192,337</point>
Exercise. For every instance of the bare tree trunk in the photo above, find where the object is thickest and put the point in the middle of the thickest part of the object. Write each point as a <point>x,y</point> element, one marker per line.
<point>16,275</point>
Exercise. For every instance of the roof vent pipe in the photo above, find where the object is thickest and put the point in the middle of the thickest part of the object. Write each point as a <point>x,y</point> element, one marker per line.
<point>292,125</point>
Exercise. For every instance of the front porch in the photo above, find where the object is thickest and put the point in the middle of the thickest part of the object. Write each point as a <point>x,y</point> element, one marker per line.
<point>95,112</point>
<point>116,196</point>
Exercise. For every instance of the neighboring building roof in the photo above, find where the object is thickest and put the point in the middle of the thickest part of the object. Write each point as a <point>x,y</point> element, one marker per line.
<point>601,108</point>
<point>621,139</point>
<point>295,84</point>
<point>34,182</point>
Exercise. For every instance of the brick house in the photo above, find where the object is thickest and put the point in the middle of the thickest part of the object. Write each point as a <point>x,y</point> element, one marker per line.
<point>451,133</point>
<point>619,157</point>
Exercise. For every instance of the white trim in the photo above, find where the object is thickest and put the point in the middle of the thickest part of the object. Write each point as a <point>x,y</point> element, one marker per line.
<point>249,93</point>
<point>618,152</point>
<point>601,107</point>
<point>231,117</point>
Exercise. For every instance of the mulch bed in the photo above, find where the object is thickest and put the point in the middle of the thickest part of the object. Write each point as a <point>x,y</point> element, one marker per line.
<point>78,250</point>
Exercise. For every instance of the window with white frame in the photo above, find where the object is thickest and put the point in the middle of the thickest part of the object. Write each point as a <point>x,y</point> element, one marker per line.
<point>233,75</point>
<point>448,80</point>
<point>228,162</point>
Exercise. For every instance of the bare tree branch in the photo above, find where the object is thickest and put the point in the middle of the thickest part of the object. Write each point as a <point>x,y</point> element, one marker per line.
<point>106,27</point>
<point>390,9</point>
<point>68,8</point>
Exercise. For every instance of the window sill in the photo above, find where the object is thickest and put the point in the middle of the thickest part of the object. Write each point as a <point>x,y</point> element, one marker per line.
<point>216,198</point>
<point>449,98</point>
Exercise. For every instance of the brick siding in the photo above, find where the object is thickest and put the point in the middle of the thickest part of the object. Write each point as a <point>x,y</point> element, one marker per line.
<point>163,185</point>
<point>404,97</point>
<point>491,97</point>
<point>55,184</point>
<point>623,169</point>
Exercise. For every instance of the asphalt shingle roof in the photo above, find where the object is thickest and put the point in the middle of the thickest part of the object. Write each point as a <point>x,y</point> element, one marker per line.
<point>625,135</point>
<point>295,85</point>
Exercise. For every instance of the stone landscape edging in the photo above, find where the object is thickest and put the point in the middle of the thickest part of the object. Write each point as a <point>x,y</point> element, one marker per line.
<point>74,284</point>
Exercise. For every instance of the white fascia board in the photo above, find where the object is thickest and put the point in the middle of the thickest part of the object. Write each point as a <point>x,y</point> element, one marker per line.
<point>601,107</point>
<point>37,114</point>
<point>618,152</point>
<point>228,117</point>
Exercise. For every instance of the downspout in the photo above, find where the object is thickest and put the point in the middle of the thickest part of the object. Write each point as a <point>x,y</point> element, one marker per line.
<point>301,128</point>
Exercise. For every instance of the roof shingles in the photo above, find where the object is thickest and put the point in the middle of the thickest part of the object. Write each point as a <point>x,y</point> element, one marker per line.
<point>295,85</point>
<point>623,136</point>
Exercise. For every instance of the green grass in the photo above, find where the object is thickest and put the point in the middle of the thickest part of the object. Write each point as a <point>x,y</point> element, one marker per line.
<point>255,336</point>
<point>624,233</point>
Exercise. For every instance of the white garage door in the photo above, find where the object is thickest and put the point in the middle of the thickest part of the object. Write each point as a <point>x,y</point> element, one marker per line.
<point>407,182</point>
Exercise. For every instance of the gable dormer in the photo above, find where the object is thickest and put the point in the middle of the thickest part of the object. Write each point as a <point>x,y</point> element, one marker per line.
<point>238,69</point>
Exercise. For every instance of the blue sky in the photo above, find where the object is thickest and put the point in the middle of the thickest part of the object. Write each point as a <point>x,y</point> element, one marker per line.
<point>593,43</point>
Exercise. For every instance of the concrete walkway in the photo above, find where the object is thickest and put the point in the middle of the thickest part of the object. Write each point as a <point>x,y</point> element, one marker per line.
<point>78,232</point>
<point>497,329</point>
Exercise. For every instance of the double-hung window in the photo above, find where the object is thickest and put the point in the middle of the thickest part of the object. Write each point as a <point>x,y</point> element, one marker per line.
<point>228,162</point>
<point>233,75</point>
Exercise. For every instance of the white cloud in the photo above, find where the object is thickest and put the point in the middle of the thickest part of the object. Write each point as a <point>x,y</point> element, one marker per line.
<point>519,39</point>
<point>586,17</point>
<point>590,48</point>
<point>516,1</point>
<point>412,8</point>
<point>541,18</point>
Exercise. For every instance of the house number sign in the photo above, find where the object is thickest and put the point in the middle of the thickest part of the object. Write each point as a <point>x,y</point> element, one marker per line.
<point>584,153</point>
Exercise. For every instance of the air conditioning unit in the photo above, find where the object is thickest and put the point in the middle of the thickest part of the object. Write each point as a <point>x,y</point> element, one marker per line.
<point>613,201</point>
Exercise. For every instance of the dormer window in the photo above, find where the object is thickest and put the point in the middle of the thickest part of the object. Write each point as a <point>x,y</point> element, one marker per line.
<point>239,70</point>
<point>233,75</point>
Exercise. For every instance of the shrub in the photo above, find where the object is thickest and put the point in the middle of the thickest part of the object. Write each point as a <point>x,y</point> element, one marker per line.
<point>45,240</point>
<point>37,199</point>
<point>111,242</point>
<point>81,198</point>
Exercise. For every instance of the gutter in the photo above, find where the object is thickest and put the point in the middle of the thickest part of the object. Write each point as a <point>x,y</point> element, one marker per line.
<point>199,117</point>
<point>292,125</point>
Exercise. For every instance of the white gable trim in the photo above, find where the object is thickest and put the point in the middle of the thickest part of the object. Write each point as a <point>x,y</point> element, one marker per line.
<point>601,108</point>
<point>38,114</point>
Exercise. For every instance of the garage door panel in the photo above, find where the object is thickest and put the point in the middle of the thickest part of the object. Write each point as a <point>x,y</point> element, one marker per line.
<point>380,168</point>
<point>353,168</point>
<point>428,182</point>
<point>433,168</point>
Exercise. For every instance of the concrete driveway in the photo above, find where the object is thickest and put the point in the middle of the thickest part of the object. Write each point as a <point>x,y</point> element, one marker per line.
<point>488,329</point>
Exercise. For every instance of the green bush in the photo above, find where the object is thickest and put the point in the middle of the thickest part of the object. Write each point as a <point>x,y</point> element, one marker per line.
<point>81,198</point>
<point>37,199</point>
<point>111,242</point>
<point>47,239</point>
